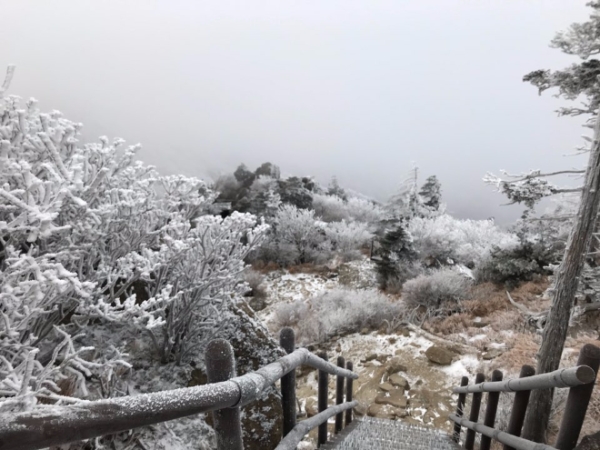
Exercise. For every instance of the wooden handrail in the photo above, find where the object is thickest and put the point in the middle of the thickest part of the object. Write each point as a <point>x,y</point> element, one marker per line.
<point>57,425</point>
<point>503,437</point>
<point>580,379</point>
<point>293,438</point>
<point>573,376</point>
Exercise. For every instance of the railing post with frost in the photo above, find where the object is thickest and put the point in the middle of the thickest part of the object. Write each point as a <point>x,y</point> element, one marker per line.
<point>460,406</point>
<point>474,414</point>
<point>322,400</point>
<point>490,412</point>
<point>577,401</point>
<point>220,366</point>
<point>288,384</point>
<point>517,415</point>
<point>349,366</point>
<point>339,396</point>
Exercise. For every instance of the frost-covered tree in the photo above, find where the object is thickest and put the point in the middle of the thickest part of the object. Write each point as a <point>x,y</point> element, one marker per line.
<point>295,191</point>
<point>96,247</point>
<point>297,237</point>
<point>334,188</point>
<point>431,193</point>
<point>580,79</point>
<point>443,238</point>
<point>408,202</point>
<point>395,257</point>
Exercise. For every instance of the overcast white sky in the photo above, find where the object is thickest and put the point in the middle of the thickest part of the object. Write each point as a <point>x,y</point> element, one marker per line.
<point>355,89</point>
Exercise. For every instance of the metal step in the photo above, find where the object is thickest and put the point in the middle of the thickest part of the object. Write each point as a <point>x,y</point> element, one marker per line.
<point>381,434</point>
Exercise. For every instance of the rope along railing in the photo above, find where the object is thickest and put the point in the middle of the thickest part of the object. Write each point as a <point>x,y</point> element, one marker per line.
<point>224,396</point>
<point>579,379</point>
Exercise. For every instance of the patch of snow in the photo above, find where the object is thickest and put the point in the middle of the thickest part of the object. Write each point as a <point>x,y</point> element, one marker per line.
<point>463,367</point>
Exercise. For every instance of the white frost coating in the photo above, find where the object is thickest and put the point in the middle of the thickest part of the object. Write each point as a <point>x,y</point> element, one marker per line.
<point>294,437</point>
<point>94,419</point>
<point>573,376</point>
<point>501,436</point>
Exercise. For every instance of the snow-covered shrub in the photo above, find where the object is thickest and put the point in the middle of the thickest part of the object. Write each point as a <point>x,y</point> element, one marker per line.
<point>332,208</point>
<point>91,240</point>
<point>464,241</point>
<point>437,291</point>
<point>511,267</point>
<point>347,238</point>
<point>296,237</point>
<point>540,246</point>
<point>336,312</point>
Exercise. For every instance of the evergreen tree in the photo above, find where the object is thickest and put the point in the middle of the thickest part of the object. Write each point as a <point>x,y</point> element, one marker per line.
<point>334,188</point>
<point>395,255</point>
<point>431,193</point>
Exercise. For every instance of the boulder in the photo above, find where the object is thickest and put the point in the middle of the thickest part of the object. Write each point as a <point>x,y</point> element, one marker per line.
<point>491,354</point>
<point>439,355</point>
<point>394,365</point>
<point>370,357</point>
<point>399,381</point>
<point>311,407</point>
<point>386,387</point>
<point>590,442</point>
<point>254,348</point>
<point>394,398</point>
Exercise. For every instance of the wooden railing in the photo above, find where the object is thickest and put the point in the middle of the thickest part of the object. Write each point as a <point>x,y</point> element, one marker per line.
<point>224,396</point>
<point>579,379</point>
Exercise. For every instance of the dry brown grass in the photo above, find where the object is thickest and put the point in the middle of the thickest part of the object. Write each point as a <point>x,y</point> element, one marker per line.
<point>521,350</point>
<point>265,267</point>
<point>456,323</point>
<point>309,268</point>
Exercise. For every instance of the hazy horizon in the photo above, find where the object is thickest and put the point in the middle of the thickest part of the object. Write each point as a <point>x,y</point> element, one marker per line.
<point>356,90</point>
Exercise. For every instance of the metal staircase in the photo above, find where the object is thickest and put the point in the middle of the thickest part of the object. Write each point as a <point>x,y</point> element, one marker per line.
<point>381,434</point>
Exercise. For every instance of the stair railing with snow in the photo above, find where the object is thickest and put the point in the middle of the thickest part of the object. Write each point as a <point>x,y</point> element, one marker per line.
<point>579,379</point>
<point>224,396</point>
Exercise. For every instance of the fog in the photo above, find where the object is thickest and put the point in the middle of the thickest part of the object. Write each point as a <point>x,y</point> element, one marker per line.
<point>356,90</point>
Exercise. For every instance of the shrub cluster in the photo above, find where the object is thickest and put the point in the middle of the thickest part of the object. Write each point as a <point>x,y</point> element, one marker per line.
<point>440,290</point>
<point>337,312</point>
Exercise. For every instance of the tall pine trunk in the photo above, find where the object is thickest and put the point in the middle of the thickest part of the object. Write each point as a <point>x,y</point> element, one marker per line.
<point>555,331</point>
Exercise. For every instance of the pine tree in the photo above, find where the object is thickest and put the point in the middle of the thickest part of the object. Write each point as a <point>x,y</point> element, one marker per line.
<point>396,252</point>
<point>431,193</point>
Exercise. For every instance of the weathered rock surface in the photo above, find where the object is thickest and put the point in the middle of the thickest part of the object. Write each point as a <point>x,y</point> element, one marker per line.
<point>590,442</point>
<point>254,348</point>
<point>399,381</point>
<point>393,398</point>
<point>439,355</point>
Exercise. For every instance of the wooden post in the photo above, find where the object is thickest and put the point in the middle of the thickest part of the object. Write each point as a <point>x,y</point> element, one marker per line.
<point>339,396</point>
<point>474,415</point>
<point>322,400</point>
<point>288,383</point>
<point>517,415</point>
<point>220,366</point>
<point>349,381</point>
<point>577,401</point>
<point>490,412</point>
<point>460,406</point>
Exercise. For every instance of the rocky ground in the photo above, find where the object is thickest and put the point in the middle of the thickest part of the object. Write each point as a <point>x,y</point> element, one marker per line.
<point>407,374</point>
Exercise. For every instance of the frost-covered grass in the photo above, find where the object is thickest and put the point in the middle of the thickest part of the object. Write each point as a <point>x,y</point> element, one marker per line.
<point>437,291</point>
<point>336,312</point>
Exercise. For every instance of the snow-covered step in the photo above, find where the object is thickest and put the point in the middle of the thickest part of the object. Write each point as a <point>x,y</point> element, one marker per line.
<point>382,434</point>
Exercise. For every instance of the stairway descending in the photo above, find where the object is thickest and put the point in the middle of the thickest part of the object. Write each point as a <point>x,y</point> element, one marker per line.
<point>382,434</point>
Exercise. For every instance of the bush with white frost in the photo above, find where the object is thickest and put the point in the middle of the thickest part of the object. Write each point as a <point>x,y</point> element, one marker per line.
<point>463,241</point>
<point>331,208</point>
<point>335,312</point>
<point>96,248</point>
<point>438,291</point>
